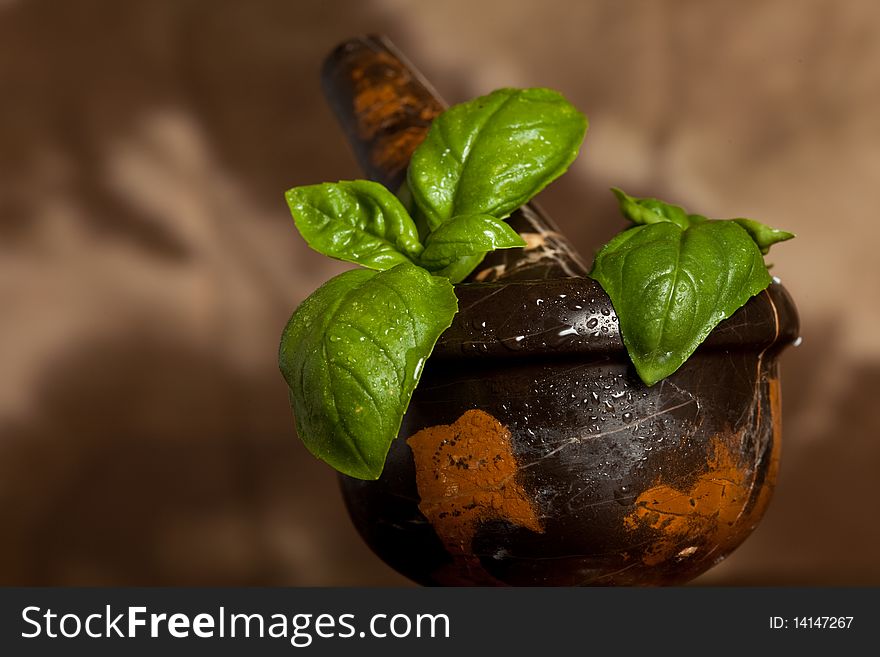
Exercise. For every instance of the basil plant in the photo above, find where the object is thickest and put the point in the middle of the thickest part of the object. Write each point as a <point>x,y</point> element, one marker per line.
<point>353,352</point>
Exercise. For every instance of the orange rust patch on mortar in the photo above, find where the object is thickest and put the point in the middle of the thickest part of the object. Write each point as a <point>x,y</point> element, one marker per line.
<point>705,515</point>
<point>711,513</point>
<point>465,476</point>
<point>380,102</point>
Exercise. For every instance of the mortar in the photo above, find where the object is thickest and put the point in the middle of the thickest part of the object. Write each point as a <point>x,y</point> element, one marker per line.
<point>531,453</point>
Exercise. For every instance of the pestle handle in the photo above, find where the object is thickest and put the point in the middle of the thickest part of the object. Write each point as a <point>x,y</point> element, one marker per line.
<point>385,107</point>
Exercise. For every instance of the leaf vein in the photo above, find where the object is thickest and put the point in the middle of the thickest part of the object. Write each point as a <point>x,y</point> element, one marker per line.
<point>382,348</point>
<point>352,439</point>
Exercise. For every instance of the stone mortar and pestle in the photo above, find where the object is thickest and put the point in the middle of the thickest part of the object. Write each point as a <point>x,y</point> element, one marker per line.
<point>531,453</point>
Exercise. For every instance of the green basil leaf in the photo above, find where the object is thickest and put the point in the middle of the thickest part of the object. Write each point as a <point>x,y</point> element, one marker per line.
<point>494,153</point>
<point>352,354</point>
<point>764,235</point>
<point>671,286</point>
<point>456,247</point>
<point>645,211</point>
<point>355,220</point>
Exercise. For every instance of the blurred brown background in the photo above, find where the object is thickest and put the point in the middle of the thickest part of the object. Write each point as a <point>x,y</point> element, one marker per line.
<point>148,261</point>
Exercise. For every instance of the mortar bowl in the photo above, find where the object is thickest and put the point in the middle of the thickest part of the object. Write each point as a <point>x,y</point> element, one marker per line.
<point>532,454</point>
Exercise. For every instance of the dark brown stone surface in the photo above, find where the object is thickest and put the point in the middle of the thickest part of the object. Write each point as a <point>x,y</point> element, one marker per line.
<point>608,481</point>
